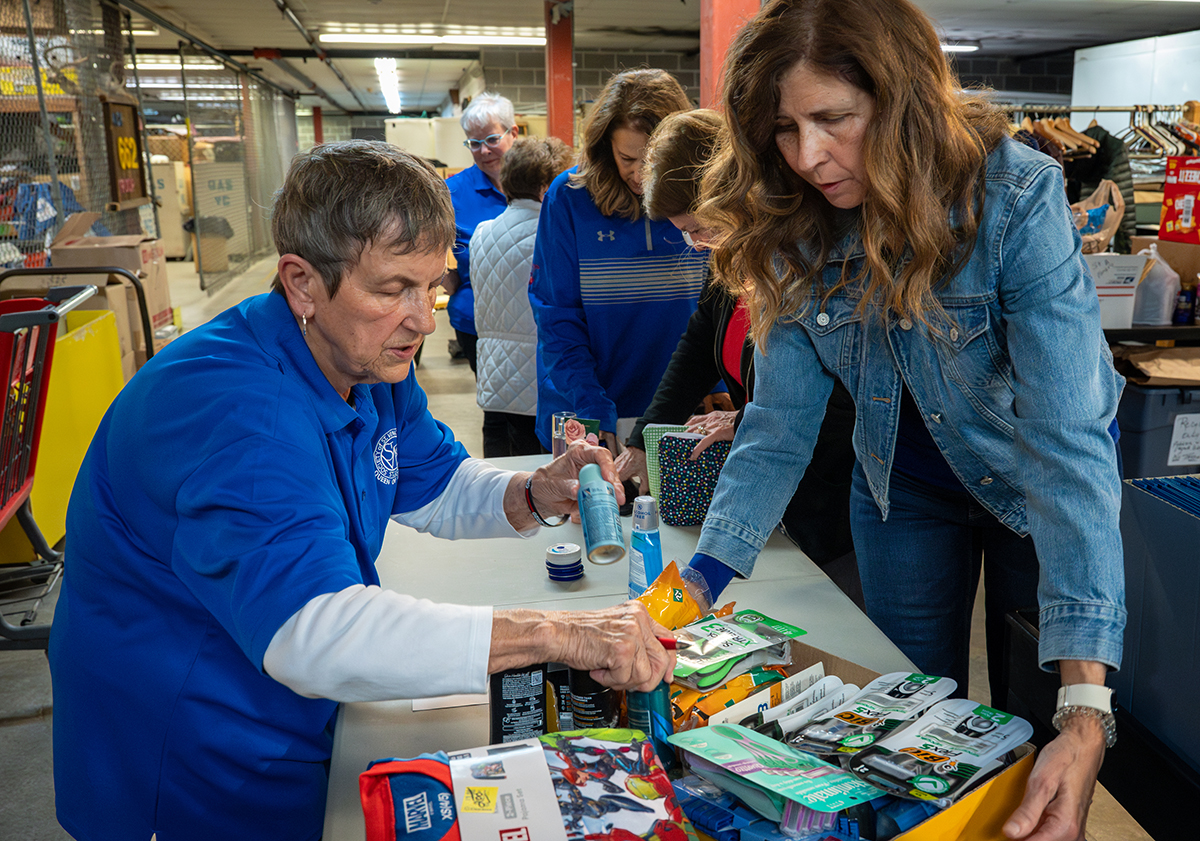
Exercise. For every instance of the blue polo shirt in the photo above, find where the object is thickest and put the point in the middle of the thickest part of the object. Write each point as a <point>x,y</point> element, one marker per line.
<point>475,200</point>
<point>227,486</point>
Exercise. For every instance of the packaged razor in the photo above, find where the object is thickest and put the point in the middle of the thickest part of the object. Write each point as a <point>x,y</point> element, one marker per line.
<point>713,650</point>
<point>886,701</point>
<point>802,716</point>
<point>939,756</point>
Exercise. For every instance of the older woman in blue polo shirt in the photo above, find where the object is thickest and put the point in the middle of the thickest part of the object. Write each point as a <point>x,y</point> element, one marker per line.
<point>222,596</point>
<point>490,126</point>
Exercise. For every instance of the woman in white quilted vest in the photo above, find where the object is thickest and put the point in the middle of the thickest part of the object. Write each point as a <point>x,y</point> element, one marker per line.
<point>501,259</point>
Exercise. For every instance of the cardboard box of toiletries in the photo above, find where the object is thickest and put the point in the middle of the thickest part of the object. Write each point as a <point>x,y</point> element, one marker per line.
<point>979,815</point>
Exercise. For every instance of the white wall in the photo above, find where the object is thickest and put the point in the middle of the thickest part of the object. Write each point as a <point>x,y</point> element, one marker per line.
<point>436,137</point>
<point>1149,71</point>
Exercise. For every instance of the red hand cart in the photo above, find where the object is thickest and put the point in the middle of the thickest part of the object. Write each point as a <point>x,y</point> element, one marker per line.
<point>28,327</point>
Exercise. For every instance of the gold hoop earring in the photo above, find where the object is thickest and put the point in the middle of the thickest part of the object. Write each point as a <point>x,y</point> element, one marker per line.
<point>304,325</point>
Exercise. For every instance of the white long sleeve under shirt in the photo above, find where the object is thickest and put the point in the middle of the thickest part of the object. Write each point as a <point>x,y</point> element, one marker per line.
<point>365,643</point>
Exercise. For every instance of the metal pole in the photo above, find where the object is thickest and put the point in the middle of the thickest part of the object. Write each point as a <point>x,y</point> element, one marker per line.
<point>159,20</point>
<point>137,86</point>
<point>187,116</point>
<point>55,192</point>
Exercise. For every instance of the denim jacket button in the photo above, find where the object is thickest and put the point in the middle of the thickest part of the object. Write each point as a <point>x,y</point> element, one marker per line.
<point>954,334</point>
<point>986,480</point>
<point>822,318</point>
<point>905,324</point>
<point>937,417</point>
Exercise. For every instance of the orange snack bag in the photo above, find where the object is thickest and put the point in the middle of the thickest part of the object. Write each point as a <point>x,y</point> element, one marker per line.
<point>670,604</point>
<point>692,707</point>
<point>667,600</point>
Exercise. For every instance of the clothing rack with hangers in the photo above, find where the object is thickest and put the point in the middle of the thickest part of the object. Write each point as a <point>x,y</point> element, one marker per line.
<point>1154,132</point>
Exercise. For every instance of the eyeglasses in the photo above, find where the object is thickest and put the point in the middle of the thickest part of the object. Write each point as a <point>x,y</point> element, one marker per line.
<point>492,141</point>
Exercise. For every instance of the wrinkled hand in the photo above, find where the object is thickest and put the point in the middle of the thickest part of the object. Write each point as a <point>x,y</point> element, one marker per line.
<point>1060,787</point>
<point>720,400</point>
<point>555,485</point>
<point>715,426</point>
<point>632,462</point>
<point>618,645</point>
<point>609,439</point>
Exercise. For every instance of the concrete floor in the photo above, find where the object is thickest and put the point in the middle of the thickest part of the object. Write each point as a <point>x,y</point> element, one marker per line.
<point>27,796</point>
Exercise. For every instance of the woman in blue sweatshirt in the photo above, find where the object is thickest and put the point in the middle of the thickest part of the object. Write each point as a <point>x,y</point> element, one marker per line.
<point>611,290</point>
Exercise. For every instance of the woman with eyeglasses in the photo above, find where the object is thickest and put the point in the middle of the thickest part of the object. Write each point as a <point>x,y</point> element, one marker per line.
<point>612,290</point>
<point>491,127</point>
<point>716,347</point>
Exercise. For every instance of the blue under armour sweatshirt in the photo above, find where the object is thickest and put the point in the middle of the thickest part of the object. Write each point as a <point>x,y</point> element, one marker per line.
<point>611,298</point>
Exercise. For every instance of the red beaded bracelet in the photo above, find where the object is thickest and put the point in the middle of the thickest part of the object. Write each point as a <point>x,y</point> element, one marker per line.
<point>534,511</point>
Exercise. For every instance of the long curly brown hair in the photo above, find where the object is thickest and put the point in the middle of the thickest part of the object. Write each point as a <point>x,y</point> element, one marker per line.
<point>633,99</point>
<point>925,151</point>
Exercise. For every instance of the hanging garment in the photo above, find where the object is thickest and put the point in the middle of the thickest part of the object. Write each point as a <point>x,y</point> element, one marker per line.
<point>1110,161</point>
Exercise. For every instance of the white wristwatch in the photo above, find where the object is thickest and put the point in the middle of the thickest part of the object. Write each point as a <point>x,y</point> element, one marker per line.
<point>1087,699</point>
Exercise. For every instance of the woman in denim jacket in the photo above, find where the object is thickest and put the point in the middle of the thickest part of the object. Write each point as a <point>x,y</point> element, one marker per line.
<point>896,240</point>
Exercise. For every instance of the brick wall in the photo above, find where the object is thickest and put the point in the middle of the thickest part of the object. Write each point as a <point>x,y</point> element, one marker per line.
<point>1048,74</point>
<point>520,74</point>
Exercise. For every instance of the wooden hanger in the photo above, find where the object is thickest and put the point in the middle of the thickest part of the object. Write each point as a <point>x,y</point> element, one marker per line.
<point>1043,128</point>
<point>1191,111</point>
<point>1064,125</point>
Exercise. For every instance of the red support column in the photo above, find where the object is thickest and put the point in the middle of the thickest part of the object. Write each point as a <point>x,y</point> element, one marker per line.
<point>318,126</point>
<point>719,22</point>
<point>560,75</point>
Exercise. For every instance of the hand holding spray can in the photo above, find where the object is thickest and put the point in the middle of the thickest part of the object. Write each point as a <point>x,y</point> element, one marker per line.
<point>603,539</point>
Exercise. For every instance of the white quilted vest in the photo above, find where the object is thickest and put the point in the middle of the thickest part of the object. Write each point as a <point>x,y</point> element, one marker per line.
<point>501,261</point>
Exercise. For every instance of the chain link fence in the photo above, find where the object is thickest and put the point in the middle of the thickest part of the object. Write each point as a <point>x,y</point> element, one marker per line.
<point>213,142</point>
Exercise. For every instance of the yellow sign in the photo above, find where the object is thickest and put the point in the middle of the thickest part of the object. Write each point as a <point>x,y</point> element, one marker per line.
<point>479,799</point>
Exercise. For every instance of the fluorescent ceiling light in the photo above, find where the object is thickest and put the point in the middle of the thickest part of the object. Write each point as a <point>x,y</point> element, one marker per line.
<point>137,30</point>
<point>161,65</point>
<point>417,39</point>
<point>389,83</point>
<point>960,47</point>
<point>168,97</point>
<point>428,34</point>
<point>179,85</point>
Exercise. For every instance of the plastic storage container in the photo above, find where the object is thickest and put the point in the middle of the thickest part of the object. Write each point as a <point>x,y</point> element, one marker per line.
<point>1159,678</point>
<point>1151,436</point>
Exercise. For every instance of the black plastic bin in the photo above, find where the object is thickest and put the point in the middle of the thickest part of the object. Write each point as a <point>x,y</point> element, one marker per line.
<point>1147,417</point>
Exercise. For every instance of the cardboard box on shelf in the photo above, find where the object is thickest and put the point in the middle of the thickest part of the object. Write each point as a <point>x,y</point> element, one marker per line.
<point>1117,277</point>
<point>114,296</point>
<point>134,252</point>
<point>978,816</point>
<point>1181,256</point>
<point>1180,219</point>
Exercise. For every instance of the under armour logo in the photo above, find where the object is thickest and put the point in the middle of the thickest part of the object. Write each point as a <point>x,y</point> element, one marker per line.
<point>601,236</point>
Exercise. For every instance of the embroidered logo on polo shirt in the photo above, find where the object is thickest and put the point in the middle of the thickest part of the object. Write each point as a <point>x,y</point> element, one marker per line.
<point>611,236</point>
<point>386,468</point>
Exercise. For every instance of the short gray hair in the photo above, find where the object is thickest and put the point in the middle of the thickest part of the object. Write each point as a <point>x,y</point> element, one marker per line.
<point>484,108</point>
<point>341,198</point>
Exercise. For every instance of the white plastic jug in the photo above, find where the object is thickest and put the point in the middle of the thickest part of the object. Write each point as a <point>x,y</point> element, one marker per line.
<point>1154,302</point>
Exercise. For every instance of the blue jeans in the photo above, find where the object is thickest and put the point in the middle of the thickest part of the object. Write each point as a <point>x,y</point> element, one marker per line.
<point>920,571</point>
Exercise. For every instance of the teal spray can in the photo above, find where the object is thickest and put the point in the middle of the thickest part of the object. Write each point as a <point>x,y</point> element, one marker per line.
<point>650,712</point>
<point>603,539</point>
